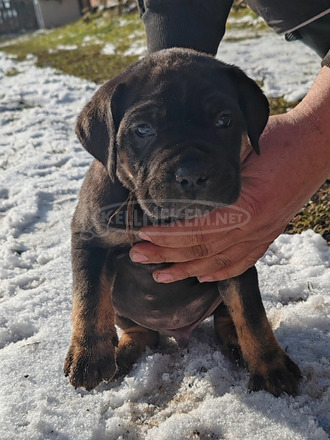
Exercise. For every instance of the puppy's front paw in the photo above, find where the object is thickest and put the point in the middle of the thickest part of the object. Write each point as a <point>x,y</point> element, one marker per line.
<point>281,375</point>
<point>89,363</point>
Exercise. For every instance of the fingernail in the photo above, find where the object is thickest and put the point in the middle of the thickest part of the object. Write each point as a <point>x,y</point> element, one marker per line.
<point>164,278</point>
<point>144,236</point>
<point>139,258</point>
<point>205,278</point>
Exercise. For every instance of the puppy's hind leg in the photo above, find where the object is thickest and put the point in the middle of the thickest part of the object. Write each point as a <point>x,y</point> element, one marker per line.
<point>132,343</point>
<point>225,330</point>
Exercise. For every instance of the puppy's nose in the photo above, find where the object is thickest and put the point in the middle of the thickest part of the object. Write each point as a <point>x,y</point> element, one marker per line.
<point>191,174</point>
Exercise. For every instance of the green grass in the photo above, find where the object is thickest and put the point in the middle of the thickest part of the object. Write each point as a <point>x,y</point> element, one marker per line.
<point>314,215</point>
<point>243,23</point>
<point>88,36</point>
<point>91,33</point>
<point>86,62</point>
<point>12,72</point>
<point>280,105</point>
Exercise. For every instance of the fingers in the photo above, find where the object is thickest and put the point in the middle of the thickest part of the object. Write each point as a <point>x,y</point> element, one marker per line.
<point>168,249</point>
<point>237,268</point>
<point>189,269</point>
<point>224,265</point>
<point>150,253</point>
<point>220,224</point>
<point>176,236</point>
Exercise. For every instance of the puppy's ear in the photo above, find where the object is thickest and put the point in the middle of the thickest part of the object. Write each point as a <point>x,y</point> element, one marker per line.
<point>98,123</point>
<point>254,106</point>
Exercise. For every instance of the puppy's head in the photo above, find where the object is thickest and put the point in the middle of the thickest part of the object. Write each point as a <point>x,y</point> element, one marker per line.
<point>172,128</point>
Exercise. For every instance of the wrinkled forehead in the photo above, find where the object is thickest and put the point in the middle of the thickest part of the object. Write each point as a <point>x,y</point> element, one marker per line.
<point>150,109</point>
<point>169,81</point>
<point>173,91</point>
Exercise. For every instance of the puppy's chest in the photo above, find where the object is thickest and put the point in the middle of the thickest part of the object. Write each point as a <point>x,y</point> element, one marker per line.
<point>174,308</point>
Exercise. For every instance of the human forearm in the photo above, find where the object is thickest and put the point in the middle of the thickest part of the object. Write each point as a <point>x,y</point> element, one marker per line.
<point>296,146</point>
<point>315,108</point>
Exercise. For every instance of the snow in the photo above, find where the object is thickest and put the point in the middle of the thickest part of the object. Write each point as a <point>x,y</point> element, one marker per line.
<point>108,49</point>
<point>176,394</point>
<point>283,68</point>
<point>67,46</point>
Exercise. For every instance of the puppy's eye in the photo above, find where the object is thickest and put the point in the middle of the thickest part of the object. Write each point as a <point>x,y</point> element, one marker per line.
<point>144,130</point>
<point>222,121</point>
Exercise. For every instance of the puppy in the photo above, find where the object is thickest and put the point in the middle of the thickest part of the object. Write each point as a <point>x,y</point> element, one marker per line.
<point>167,135</point>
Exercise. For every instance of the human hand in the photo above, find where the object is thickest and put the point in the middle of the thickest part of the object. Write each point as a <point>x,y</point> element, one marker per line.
<point>274,187</point>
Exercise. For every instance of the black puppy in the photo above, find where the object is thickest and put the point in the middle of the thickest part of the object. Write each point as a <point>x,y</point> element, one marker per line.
<point>167,135</point>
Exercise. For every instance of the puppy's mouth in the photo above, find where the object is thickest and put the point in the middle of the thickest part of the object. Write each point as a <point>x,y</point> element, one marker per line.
<point>135,212</point>
<point>169,210</point>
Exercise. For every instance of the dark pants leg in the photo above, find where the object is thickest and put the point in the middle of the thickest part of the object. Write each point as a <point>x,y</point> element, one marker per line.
<point>194,24</point>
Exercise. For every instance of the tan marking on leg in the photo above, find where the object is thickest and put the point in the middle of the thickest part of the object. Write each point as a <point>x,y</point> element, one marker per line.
<point>104,316</point>
<point>270,367</point>
<point>253,343</point>
<point>225,330</point>
<point>105,311</point>
<point>79,322</point>
<point>132,344</point>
